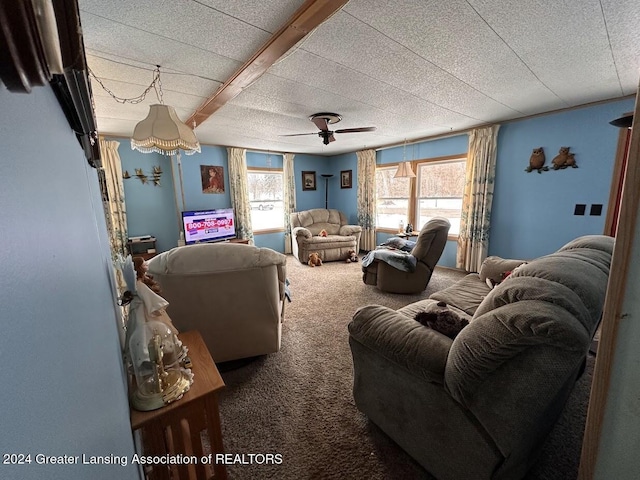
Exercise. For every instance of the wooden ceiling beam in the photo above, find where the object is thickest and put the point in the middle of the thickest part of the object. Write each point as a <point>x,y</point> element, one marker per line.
<point>309,16</point>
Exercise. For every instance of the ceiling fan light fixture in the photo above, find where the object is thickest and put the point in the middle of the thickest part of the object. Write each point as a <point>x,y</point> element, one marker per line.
<point>623,122</point>
<point>404,171</point>
<point>163,132</point>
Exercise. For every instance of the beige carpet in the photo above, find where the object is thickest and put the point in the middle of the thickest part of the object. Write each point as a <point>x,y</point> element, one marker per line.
<point>298,402</point>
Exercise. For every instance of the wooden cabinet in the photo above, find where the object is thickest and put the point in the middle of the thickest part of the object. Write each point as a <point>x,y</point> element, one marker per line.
<point>175,429</point>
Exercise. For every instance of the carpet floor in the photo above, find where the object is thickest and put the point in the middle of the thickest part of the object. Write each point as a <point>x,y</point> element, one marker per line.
<point>298,402</point>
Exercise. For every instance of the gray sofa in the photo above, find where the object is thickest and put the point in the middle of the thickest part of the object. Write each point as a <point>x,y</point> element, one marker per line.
<point>481,405</point>
<point>305,235</point>
<point>233,294</point>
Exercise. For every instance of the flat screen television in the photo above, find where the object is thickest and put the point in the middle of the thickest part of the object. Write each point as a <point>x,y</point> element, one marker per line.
<point>208,225</point>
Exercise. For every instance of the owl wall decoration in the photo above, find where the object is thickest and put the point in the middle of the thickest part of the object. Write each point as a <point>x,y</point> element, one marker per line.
<point>536,161</point>
<point>564,159</point>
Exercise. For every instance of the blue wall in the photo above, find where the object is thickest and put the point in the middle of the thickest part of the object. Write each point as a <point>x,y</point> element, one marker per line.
<point>526,208</point>
<point>532,213</point>
<point>64,388</point>
<point>151,209</point>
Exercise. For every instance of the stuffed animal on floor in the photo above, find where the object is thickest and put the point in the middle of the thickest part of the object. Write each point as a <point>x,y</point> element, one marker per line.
<point>323,233</point>
<point>314,259</point>
<point>440,318</point>
<point>351,256</point>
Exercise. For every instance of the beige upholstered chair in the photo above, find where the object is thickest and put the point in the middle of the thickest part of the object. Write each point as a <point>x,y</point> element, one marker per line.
<point>233,294</point>
<point>428,249</point>
<point>306,227</point>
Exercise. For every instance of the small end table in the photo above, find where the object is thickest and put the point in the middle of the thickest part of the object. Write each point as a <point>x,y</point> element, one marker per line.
<point>175,428</point>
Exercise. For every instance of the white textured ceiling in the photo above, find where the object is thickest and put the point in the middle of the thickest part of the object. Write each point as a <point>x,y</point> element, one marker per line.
<point>411,68</point>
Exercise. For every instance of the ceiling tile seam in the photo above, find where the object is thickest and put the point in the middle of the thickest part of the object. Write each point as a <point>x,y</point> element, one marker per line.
<point>431,62</point>
<point>613,58</point>
<point>231,16</point>
<point>394,87</point>
<point>518,56</point>
<point>163,37</point>
<point>165,70</point>
<point>332,92</point>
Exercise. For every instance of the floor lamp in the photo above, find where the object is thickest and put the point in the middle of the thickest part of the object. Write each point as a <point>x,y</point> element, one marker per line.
<point>326,177</point>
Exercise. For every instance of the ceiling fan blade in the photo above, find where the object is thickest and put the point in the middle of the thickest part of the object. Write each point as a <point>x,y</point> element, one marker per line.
<point>321,123</point>
<point>332,138</point>
<point>352,130</point>
<point>298,134</point>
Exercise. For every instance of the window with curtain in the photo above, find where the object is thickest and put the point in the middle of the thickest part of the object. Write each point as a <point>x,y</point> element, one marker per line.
<point>435,192</point>
<point>266,198</point>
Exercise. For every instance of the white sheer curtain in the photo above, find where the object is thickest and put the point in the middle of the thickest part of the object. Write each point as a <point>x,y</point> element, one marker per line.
<point>289,198</point>
<point>113,204</point>
<point>367,198</point>
<point>239,191</point>
<point>473,241</point>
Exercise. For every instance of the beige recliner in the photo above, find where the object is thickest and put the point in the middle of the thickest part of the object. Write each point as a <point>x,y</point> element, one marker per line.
<point>427,251</point>
<point>305,235</point>
<point>233,294</point>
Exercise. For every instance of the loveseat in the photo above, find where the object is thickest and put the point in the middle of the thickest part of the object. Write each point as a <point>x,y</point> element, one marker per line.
<point>233,294</point>
<point>480,406</point>
<point>305,235</point>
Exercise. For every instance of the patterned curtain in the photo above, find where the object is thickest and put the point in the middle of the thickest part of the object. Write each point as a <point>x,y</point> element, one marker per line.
<point>473,241</point>
<point>113,204</point>
<point>289,198</point>
<point>239,190</point>
<point>367,198</point>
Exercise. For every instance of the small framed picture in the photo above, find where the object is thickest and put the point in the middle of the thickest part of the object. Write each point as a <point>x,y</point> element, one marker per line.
<point>308,180</point>
<point>345,179</point>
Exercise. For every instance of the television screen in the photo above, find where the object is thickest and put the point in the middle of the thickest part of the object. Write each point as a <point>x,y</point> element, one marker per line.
<point>208,225</point>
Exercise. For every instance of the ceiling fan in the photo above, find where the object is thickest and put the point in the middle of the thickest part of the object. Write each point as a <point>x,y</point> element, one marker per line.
<point>322,121</point>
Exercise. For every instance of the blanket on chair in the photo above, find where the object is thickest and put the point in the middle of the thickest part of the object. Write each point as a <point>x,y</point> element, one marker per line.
<point>398,259</point>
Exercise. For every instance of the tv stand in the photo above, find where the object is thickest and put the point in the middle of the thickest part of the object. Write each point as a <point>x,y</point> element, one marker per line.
<point>144,247</point>
<point>239,240</point>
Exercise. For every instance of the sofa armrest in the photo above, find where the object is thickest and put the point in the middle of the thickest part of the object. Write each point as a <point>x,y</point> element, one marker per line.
<point>301,232</point>
<point>347,230</point>
<point>402,340</point>
<point>495,268</point>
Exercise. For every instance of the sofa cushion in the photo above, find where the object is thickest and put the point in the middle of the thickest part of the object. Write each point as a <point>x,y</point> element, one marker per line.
<point>466,294</point>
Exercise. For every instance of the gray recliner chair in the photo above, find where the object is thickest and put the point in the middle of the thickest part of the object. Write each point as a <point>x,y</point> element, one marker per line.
<point>428,250</point>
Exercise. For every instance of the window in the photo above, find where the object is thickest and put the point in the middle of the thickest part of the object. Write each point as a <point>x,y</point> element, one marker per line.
<point>440,188</point>
<point>392,198</point>
<point>266,198</point>
<point>435,192</point>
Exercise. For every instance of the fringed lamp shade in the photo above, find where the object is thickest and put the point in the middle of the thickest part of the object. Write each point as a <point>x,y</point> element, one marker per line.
<point>163,132</point>
<point>404,170</point>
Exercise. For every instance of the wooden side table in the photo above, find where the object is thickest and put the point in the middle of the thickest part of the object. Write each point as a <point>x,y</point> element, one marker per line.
<point>175,428</point>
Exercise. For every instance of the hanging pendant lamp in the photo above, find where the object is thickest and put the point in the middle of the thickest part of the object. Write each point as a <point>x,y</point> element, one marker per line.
<point>404,168</point>
<point>163,132</point>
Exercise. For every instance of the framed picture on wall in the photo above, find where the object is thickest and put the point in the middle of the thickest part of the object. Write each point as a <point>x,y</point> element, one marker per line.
<point>212,178</point>
<point>345,179</point>
<point>308,180</point>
